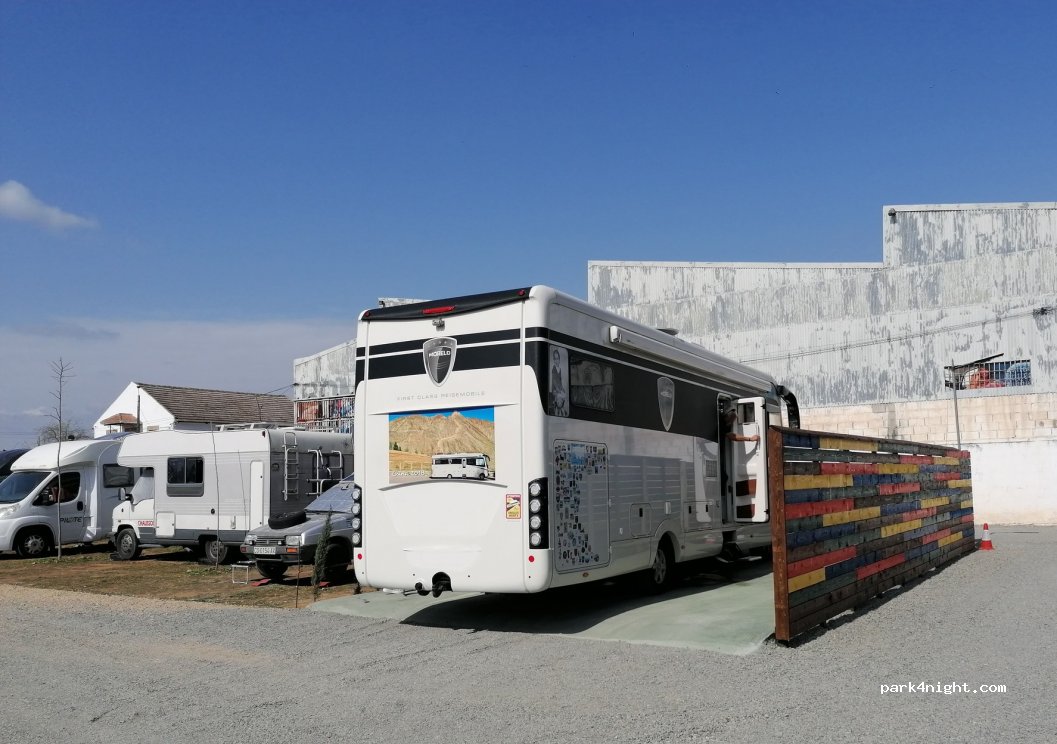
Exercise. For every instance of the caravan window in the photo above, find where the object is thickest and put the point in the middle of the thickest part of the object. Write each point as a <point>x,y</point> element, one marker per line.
<point>116,476</point>
<point>185,476</point>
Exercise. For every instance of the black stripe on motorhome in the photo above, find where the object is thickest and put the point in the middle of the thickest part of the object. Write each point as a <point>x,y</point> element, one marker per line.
<point>472,357</point>
<point>486,337</point>
<point>635,381</point>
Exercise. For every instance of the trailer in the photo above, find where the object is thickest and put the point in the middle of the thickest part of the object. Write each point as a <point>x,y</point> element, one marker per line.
<point>612,447</point>
<point>207,489</point>
<point>60,494</point>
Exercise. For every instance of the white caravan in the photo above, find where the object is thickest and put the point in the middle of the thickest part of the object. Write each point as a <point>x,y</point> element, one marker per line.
<point>206,489</point>
<point>61,493</point>
<point>609,444</point>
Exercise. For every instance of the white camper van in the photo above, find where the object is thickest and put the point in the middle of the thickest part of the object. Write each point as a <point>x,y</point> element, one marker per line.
<point>206,489</point>
<point>612,447</point>
<point>60,493</point>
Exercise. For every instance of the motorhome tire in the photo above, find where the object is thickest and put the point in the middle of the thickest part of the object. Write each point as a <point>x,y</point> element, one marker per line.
<point>288,519</point>
<point>271,569</point>
<point>213,550</point>
<point>34,543</point>
<point>661,575</point>
<point>126,544</point>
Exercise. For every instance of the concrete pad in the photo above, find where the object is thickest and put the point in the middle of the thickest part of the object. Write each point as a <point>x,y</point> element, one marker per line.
<point>722,610</point>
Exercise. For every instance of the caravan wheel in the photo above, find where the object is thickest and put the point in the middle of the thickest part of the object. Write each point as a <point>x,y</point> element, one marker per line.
<point>214,550</point>
<point>126,545</point>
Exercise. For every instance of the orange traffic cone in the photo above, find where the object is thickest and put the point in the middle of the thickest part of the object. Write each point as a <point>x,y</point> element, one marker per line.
<point>985,543</point>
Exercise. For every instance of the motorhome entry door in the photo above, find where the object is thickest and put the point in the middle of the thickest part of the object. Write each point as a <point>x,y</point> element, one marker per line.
<point>750,474</point>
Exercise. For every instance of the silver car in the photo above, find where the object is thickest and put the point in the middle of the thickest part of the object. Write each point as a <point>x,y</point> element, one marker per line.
<point>292,539</point>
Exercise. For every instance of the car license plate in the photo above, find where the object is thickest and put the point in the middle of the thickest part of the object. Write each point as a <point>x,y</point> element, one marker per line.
<point>264,550</point>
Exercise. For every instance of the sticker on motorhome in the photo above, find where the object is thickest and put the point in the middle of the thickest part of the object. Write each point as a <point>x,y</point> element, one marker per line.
<point>513,506</point>
<point>456,443</point>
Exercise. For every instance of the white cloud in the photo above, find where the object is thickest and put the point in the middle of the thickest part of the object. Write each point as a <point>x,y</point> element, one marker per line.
<point>18,203</point>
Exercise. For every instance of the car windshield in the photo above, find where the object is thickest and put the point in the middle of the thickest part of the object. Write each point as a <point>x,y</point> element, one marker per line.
<point>18,485</point>
<point>335,499</point>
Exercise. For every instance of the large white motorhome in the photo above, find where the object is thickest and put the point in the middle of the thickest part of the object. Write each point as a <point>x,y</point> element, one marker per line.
<point>61,493</point>
<point>206,489</point>
<point>612,446</point>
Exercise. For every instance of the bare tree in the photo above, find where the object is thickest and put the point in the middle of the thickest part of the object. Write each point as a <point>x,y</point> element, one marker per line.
<point>70,430</point>
<point>60,372</point>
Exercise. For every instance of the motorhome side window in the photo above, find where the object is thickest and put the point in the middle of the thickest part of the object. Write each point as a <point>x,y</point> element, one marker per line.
<point>591,384</point>
<point>185,476</point>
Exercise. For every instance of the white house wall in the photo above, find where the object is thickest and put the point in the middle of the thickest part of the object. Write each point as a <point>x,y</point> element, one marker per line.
<point>152,414</point>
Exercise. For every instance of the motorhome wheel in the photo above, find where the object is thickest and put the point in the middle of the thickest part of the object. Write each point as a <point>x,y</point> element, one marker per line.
<point>662,573</point>
<point>126,545</point>
<point>33,543</point>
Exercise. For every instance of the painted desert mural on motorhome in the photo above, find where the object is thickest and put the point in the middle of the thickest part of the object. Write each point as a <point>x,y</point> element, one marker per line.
<point>431,445</point>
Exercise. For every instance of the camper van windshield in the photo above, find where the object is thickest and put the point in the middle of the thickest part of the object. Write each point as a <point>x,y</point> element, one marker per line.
<point>17,486</point>
<point>335,499</point>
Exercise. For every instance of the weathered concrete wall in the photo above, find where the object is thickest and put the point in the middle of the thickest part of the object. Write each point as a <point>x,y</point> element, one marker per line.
<point>958,283</point>
<point>863,346</point>
<point>328,374</point>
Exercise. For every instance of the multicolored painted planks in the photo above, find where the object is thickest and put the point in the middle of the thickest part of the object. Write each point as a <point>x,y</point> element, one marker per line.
<point>853,516</point>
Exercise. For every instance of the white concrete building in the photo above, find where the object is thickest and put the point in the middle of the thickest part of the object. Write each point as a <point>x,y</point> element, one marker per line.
<point>865,345</point>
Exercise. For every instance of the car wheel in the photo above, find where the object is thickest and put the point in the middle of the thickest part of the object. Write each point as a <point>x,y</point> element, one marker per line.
<point>271,569</point>
<point>337,567</point>
<point>35,543</point>
<point>126,545</point>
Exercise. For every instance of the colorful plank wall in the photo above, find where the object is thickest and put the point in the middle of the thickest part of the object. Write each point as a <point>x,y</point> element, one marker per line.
<point>852,517</point>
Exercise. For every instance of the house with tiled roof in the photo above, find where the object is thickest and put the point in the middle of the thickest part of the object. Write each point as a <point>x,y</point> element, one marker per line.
<point>147,407</point>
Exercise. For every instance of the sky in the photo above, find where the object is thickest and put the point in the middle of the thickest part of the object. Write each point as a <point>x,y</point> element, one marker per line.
<point>196,193</point>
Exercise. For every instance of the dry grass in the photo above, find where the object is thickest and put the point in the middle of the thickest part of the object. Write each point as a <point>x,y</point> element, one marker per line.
<point>163,573</point>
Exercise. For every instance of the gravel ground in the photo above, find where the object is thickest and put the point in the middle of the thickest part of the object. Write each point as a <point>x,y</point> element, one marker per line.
<point>89,668</point>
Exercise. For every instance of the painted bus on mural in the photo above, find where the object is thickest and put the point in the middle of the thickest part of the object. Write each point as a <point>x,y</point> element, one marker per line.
<point>611,447</point>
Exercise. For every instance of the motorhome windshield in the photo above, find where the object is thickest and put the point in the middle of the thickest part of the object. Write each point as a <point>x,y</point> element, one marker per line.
<point>18,485</point>
<point>335,499</point>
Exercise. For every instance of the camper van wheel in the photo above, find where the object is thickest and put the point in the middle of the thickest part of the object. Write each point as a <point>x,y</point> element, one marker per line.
<point>33,544</point>
<point>126,546</point>
<point>271,569</point>
<point>214,550</point>
<point>662,573</point>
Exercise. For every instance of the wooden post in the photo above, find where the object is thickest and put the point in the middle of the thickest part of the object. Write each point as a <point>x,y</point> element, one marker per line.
<point>776,492</point>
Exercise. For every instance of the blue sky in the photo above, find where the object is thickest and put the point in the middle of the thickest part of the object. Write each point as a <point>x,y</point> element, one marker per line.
<point>196,193</point>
